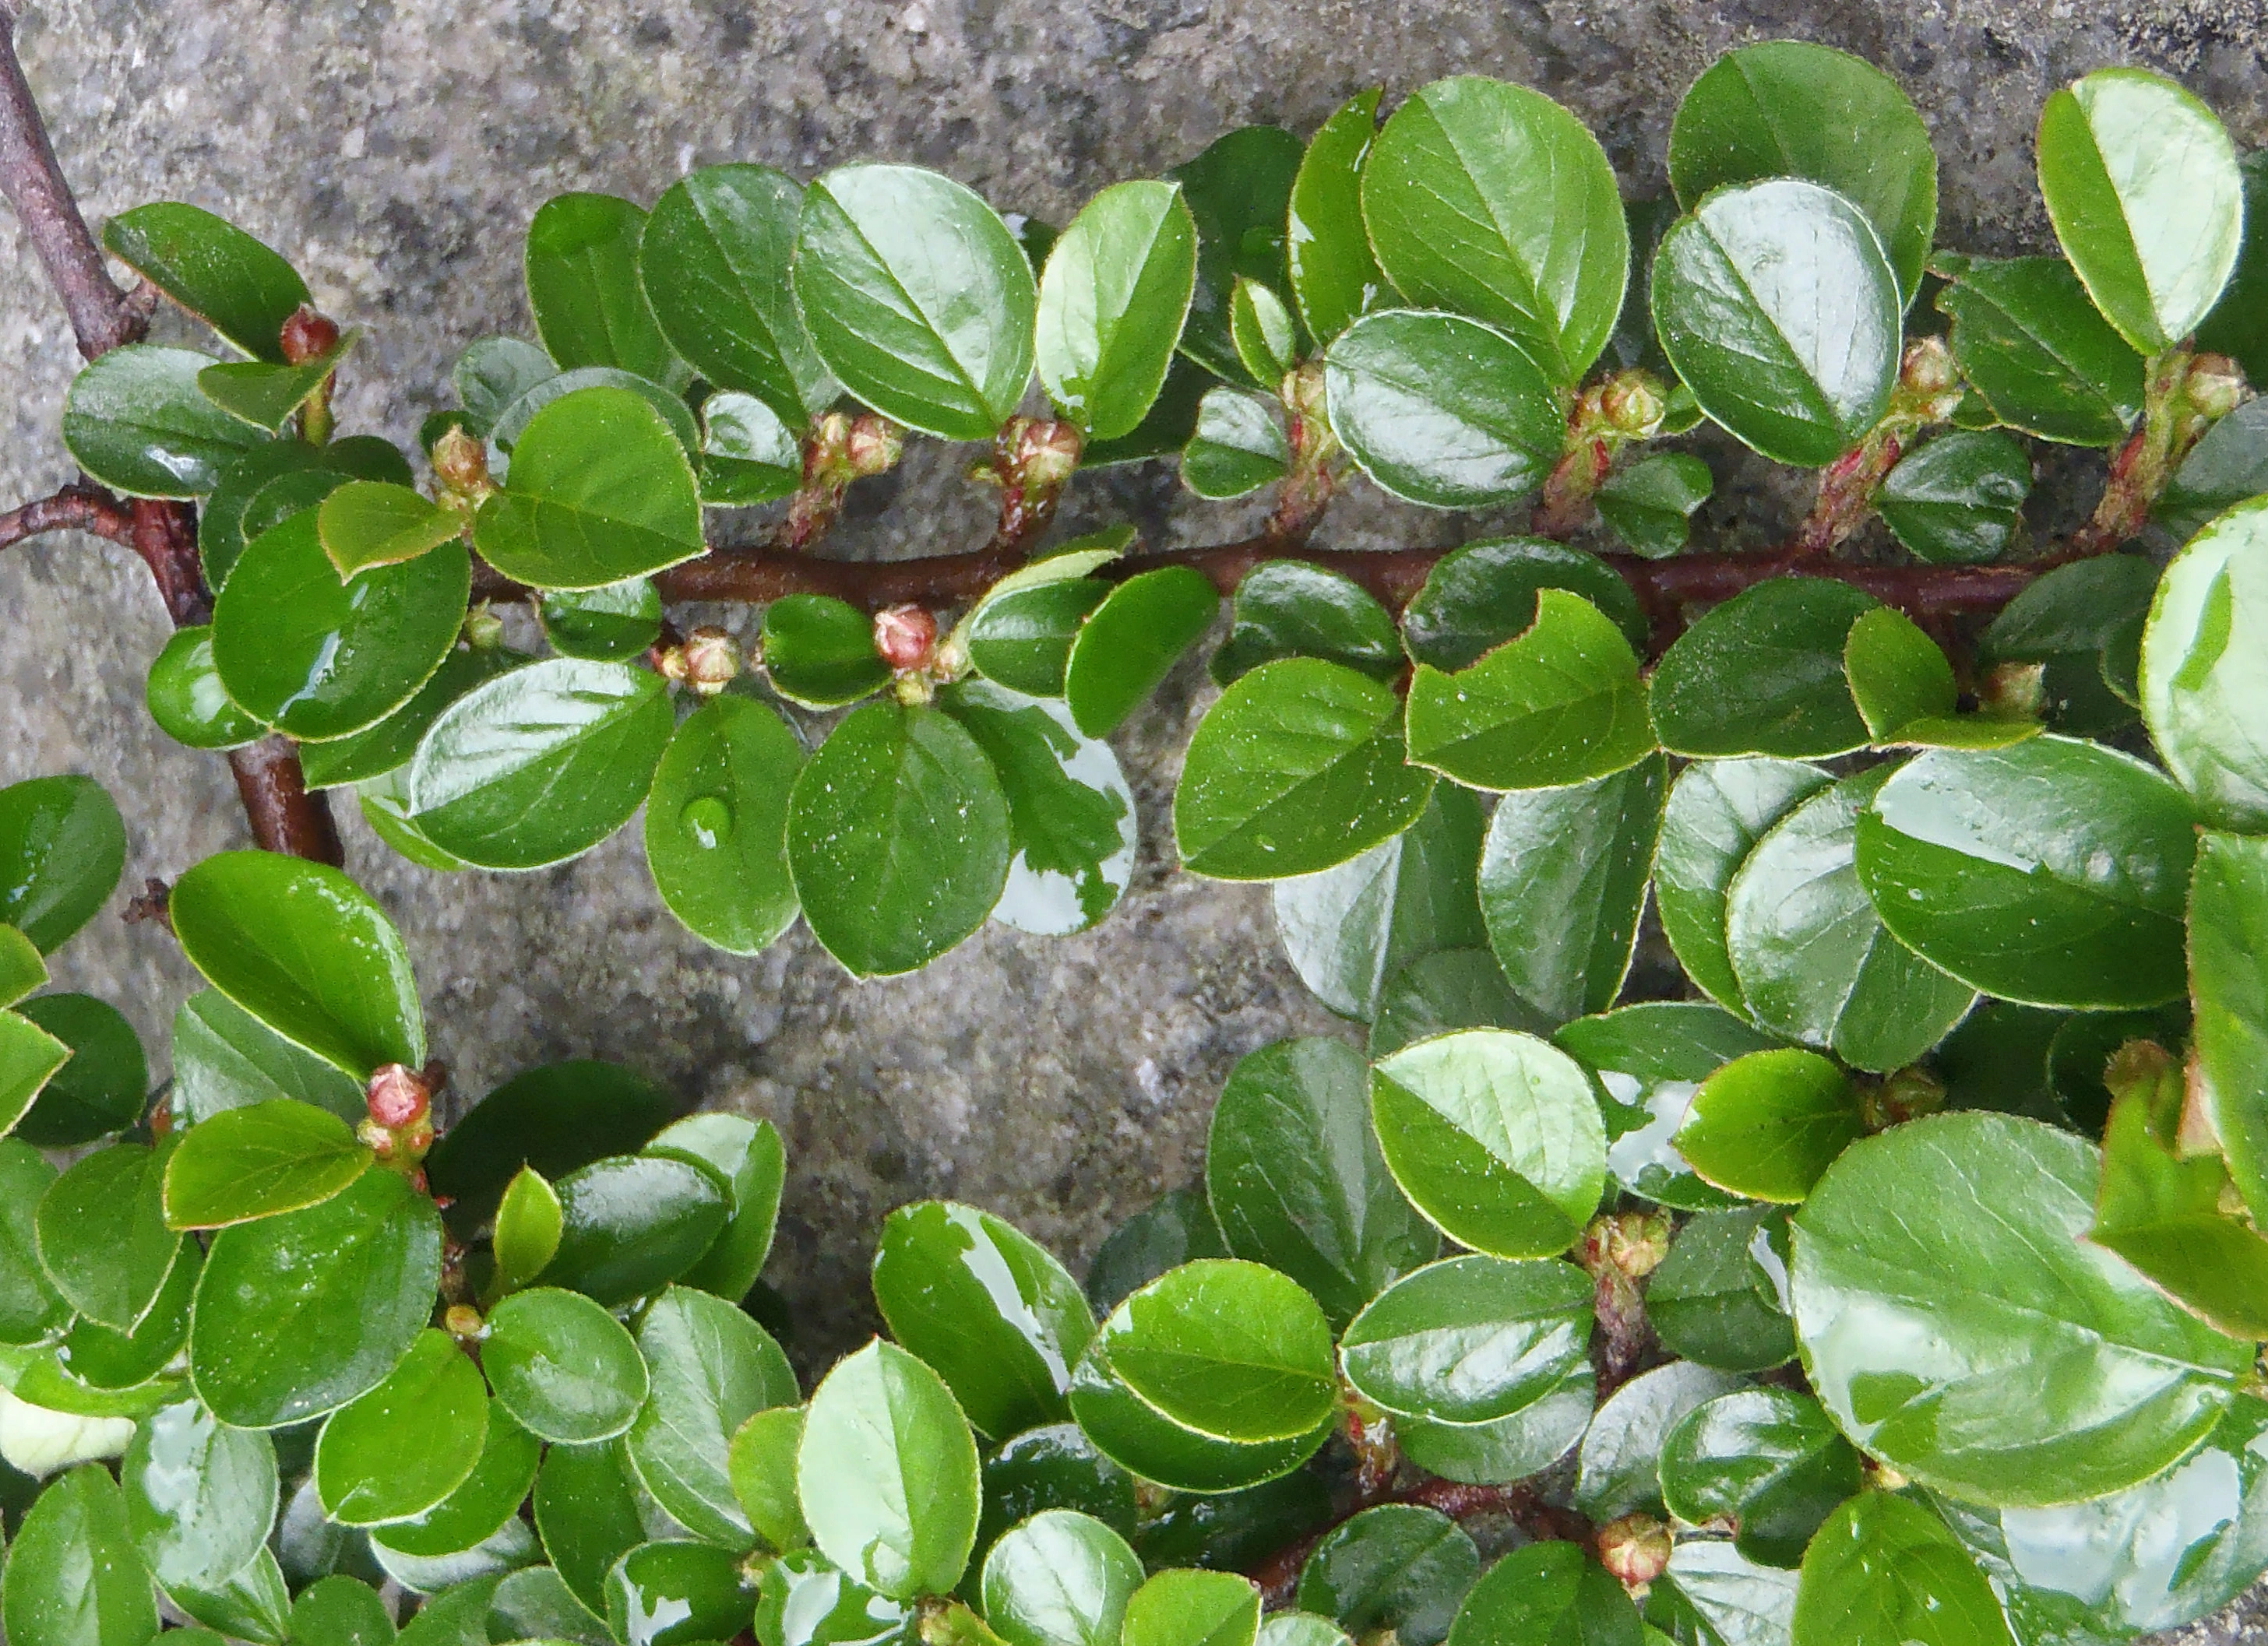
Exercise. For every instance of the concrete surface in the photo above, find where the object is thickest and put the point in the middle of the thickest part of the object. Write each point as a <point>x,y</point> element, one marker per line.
<point>393,149</point>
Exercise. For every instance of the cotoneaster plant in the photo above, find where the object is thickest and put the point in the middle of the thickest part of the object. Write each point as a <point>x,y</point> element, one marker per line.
<point>1901,1282</point>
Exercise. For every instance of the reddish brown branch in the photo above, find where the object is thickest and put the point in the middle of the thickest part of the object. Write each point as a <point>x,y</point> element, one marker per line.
<point>73,509</point>
<point>164,534</point>
<point>284,817</point>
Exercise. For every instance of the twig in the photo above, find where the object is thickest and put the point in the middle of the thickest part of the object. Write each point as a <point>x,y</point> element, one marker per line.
<point>284,817</point>
<point>73,509</point>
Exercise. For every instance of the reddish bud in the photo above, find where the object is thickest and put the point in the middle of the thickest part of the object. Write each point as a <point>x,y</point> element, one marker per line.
<point>872,445</point>
<point>905,636</point>
<point>1044,452</point>
<point>1906,1095</point>
<point>397,1098</point>
<point>709,660</point>
<point>307,334</point>
<point>460,462</point>
<point>1632,404</point>
<point>2013,690</point>
<point>1635,1550</point>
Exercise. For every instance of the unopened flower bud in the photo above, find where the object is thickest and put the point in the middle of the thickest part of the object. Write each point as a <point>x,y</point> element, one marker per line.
<point>872,444</point>
<point>905,636</point>
<point>2013,690</point>
<point>2215,385</point>
<point>396,1097</point>
<point>1929,367</point>
<point>306,336</point>
<point>1633,405</point>
<point>462,1321</point>
<point>709,660</point>
<point>1906,1095</point>
<point>484,628</point>
<point>1631,1245</point>
<point>1302,392</point>
<point>1635,1551</point>
<point>460,462</point>
<point>1044,453</point>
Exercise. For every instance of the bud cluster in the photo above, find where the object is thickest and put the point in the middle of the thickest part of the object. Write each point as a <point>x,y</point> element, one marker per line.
<point>1635,1550</point>
<point>1904,1096</point>
<point>460,464</point>
<point>306,336</point>
<point>399,1128</point>
<point>705,662</point>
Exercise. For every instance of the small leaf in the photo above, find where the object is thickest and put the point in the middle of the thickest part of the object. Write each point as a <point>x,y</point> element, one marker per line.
<point>715,824</point>
<point>563,1367</point>
<point>1287,609</point>
<point>63,847</point>
<point>1710,1300</point>
<point>2142,187</point>
<point>1263,330</point>
<point>587,1510</point>
<point>629,1224</point>
<point>748,1155</point>
<point>1905,691</point>
<point>1060,1579</point>
<point>187,700</point>
<point>1334,275</point>
<point>103,1088</point>
<point>917,297</point>
<point>1131,642</point>
<point>1193,1608</point>
<point>2228,912</point>
<point>1717,810</point>
<point>1650,504</point>
<point>761,1463</point>
<point>528,1221</point>
<point>369,523</point>
<point>1395,1567</point>
<point>512,421</point>
<point>2204,660</point>
<point>492,373</point>
<point>2229,465</point>
<point>137,422</point>
<point>1765,1126</point>
<point>1958,499</point>
<point>258,1161</point>
<point>553,1118</point>
<point>1440,409</point>
<point>264,395</point>
<point>225,1058</point>
<point>1767,1459</point>
<point>2027,340</point>
<point>1448,990</point>
<point>1023,638</point>
<point>888,1475</point>
<point>1478,596</point>
<point>676,1593</point>
<point>1173,1230</point>
<point>22,969</point>
<point>1888,1573</point>
<point>400,1448</point>
<point>102,1239</point>
<point>1239,193</point>
<point>599,490</point>
<point>1298,767</point>
<point>1111,304</point>
<point>1236,448</point>
<point>73,1578</point>
<point>1546,1592</point>
<point>214,269</point>
<point>1762,674</point>
<point>713,1368</point>
<point>2069,620</point>
<point>1618,1470</point>
<point>748,454</point>
<point>583,286</point>
<point>819,652</point>
<point>1777,307</point>
<point>200,1496</point>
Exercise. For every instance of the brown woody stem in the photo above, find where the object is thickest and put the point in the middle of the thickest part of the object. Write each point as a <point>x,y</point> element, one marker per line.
<point>73,509</point>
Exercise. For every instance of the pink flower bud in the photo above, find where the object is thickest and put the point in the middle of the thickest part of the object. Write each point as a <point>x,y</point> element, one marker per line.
<point>709,660</point>
<point>1045,452</point>
<point>872,445</point>
<point>1635,1550</point>
<point>905,636</point>
<point>460,462</point>
<point>306,336</point>
<point>397,1097</point>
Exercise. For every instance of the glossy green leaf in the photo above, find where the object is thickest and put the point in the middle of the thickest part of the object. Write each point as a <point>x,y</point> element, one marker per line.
<point>1958,498</point>
<point>136,420</point>
<point>399,1448</point>
<point>1440,409</point>
<point>563,1367</point>
<point>187,700</point>
<point>1261,327</point>
<point>1173,1229</point>
<point>996,1316</point>
<point>298,1314</point>
<point>1474,1340</point>
<point>1618,1469</point>
<point>1396,1567</point>
<point>599,490</point>
<point>31,1309</point>
<point>1765,1126</point>
<point>63,847</point>
<point>264,394</point>
<point>2142,187</point>
<point>2069,620</point>
<point>760,1462</point>
<point>1649,1059</point>
<point>1563,878</point>
<point>917,297</point>
<point>1495,1136</point>
<point>1111,302</point>
<point>1193,1608</point>
<point>1448,989</point>
<point>1762,674</point>
<point>1130,642</point>
<point>1776,304</point>
<point>712,1369</point>
<point>22,968</point>
<point>371,523</point>
<point>482,1504</point>
<point>828,1607</point>
<point>2228,912</point>
<point>1491,200</point>
<point>101,1238</point>
<point>748,1155</point>
<point>2052,872</point>
<point>340,1611</point>
<point>307,951</point>
<point>1335,276</point>
<point>1239,193</point>
<point>1297,767</point>
<point>1296,1180</point>
<point>102,1088</point>
<point>1288,609</point>
<point>673,1593</point>
<point>583,286</point>
<point>528,1223</point>
<point>251,1605</point>
<point>200,1496</point>
<point>713,259</point>
<point>1236,447</point>
<point>887,1473</point>
<point>553,1118</point>
<point>614,624</point>
<point>1791,109</point>
<point>715,824</point>
<point>820,650</point>
<point>512,422</point>
<point>2027,340</point>
<point>1717,810</point>
<point>1056,1467</point>
<point>73,1578</point>
<point>748,454</point>
<point>1902,683</point>
<point>1884,1571</point>
<point>2236,326</point>
<point>1172,419</point>
<point>1650,504</point>
<point>1712,1300</point>
<point>492,373</point>
<point>898,839</point>
<point>586,1508</point>
<point>2228,466</point>
<point>1484,595</point>
<point>1768,1460</point>
<point>1060,1579</point>
<point>1550,1592</point>
<point>233,283</point>
<point>2117,1382</point>
<point>1711,1591</point>
<point>630,1224</point>
<point>2204,663</point>
<point>259,1160</point>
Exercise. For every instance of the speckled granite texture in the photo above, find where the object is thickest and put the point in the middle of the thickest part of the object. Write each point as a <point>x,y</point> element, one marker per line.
<point>394,148</point>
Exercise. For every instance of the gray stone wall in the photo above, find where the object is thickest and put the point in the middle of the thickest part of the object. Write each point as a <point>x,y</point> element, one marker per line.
<point>393,149</point>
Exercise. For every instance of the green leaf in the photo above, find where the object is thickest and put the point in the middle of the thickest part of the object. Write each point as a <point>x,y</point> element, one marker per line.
<point>2142,187</point>
<point>1768,1460</point>
<point>31,1310</point>
<point>1053,1468</point>
<point>1563,880</point>
<point>307,952</point>
<point>2052,872</point>
<point>298,1314</point>
<point>1239,192</point>
<point>102,1237</point>
<point>1546,1592</point>
<point>1495,1136</point>
<point>372,523</point>
<point>1171,419</point>
<point>1906,693</point>
<point>1492,200</point>
<point>1777,307</point>
<point>1060,1579</point>
<point>1711,1591</point>
<point>820,650</point>
<point>22,969</point>
<point>1263,330</point>
<point>748,1155</point>
<point>200,1496</point>
<point>528,1223</point>
<point>102,1089</point>
<point>512,422</point>
<point>1816,961</point>
<point>2069,620</point>
<point>1070,813</point>
<point>1450,988</point>
<point>318,659</point>
<point>2236,327</point>
<point>554,1118</point>
<point>1618,1469</point>
<point>1648,1060</point>
<point>715,824</point>
<point>629,1224</point>
<point>29,1058</point>
<point>712,1369</point>
<point>1650,504</point>
<point>714,259</point>
<point>917,297</point>
<point>583,286</point>
<point>1958,499</point>
<point>214,269</point>
<point>1397,1568</point>
<point>1712,1300</point>
<point>480,1508</point>
<point>2228,466</point>
<point>187,700</point>
<point>2228,912</point>
<point>888,1475</point>
<point>264,395</point>
<point>761,1464</point>
<point>586,1508</point>
<point>386,748</point>
<point>748,453</point>
<point>1717,810</point>
<point>398,1450</point>
<point>1298,767</point>
<point>107,1365</point>
<point>990,1309</point>
<point>251,1605</point>
<point>259,1160</point>
<point>2117,1382</point>
<point>136,420</point>
<point>1288,609</point>
<point>63,847</point>
<point>1193,1608</point>
<point>539,764</point>
<point>1765,1126</point>
<point>492,373</point>
<point>1216,1375</point>
<point>599,490</point>
<point>1296,1180</point>
<point>563,1367</point>
<point>1440,409</point>
<point>1334,275</point>
<point>1349,929</point>
<point>73,1578</point>
<point>1173,1229</point>
<point>340,1611</point>
<point>1762,674</point>
<point>1131,642</point>
<point>614,624</point>
<point>1884,1571</point>
<point>275,481</point>
<point>2204,663</point>
<point>1791,109</point>
<point>829,1607</point>
<point>2027,340</point>
<point>1237,445</point>
<point>1111,302</point>
<point>898,839</point>
<point>1484,595</point>
<point>673,1593</point>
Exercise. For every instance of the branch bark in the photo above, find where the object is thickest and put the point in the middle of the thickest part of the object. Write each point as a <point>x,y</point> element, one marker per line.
<point>73,509</point>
